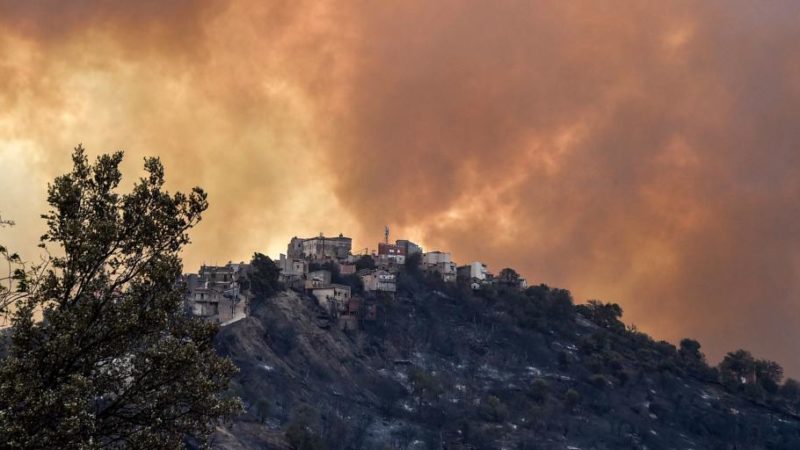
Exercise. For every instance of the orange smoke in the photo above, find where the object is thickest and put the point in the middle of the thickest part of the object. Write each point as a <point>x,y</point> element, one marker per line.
<point>639,153</point>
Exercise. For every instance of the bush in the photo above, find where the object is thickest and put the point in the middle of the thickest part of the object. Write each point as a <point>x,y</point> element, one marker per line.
<point>571,399</point>
<point>539,390</point>
<point>599,381</point>
<point>493,410</point>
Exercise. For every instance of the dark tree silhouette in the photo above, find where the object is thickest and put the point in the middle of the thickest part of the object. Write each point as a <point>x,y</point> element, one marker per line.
<point>101,352</point>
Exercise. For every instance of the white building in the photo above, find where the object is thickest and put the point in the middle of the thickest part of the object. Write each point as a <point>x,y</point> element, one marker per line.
<point>474,271</point>
<point>379,281</point>
<point>435,258</point>
<point>441,263</point>
<point>333,297</point>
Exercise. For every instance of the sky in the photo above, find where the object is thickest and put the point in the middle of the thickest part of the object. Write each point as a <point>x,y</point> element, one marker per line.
<point>645,153</point>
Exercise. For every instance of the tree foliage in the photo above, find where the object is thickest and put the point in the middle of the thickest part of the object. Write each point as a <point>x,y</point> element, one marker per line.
<point>606,315</point>
<point>263,276</point>
<point>365,262</point>
<point>101,354</point>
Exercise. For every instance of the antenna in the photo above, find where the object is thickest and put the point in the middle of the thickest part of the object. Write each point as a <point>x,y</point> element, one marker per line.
<point>386,233</point>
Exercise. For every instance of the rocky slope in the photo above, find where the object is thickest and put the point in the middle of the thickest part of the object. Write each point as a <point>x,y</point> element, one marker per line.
<point>443,368</point>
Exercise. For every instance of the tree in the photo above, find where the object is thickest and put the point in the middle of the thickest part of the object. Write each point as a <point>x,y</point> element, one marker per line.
<point>263,276</point>
<point>690,350</point>
<point>365,262</point>
<point>571,399</point>
<point>769,375</point>
<point>737,368</point>
<point>606,315</point>
<point>790,391</point>
<point>113,361</point>
<point>509,277</point>
<point>412,263</point>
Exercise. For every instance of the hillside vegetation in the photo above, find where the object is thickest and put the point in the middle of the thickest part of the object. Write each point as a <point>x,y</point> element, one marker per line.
<point>443,367</point>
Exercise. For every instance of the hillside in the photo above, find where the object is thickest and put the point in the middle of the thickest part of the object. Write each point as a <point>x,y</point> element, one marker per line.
<point>443,367</point>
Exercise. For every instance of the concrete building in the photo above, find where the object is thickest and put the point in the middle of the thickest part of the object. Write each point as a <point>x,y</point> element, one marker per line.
<point>318,278</point>
<point>320,247</point>
<point>436,257</point>
<point>474,271</point>
<point>347,269</point>
<point>409,247</point>
<point>349,316</point>
<point>391,253</point>
<point>441,263</point>
<point>292,269</point>
<point>333,297</point>
<point>379,281</point>
<point>215,293</point>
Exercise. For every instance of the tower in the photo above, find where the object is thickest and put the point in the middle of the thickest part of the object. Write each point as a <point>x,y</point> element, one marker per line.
<point>386,234</point>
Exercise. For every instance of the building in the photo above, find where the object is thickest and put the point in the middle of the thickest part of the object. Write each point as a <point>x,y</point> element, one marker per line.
<point>408,247</point>
<point>333,297</point>
<point>379,281</point>
<point>391,253</point>
<point>474,271</point>
<point>349,316</point>
<point>215,293</point>
<point>440,263</point>
<point>318,278</point>
<point>320,247</point>
<point>292,269</point>
<point>435,258</point>
<point>347,269</point>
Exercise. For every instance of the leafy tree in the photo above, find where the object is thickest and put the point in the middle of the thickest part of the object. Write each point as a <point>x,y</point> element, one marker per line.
<point>365,262</point>
<point>494,410</point>
<point>539,390</point>
<point>790,391</point>
<point>768,375</point>
<point>690,350</point>
<point>571,399</point>
<point>508,276</point>
<point>424,386</point>
<point>113,361</point>
<point>412,263</point>
<point>737,368</point>
<point>560,305</point>
<point>263,276</point>
<point>606,315</point>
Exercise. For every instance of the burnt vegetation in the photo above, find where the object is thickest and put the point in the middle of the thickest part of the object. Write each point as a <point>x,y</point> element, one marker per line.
<point>443,366</point>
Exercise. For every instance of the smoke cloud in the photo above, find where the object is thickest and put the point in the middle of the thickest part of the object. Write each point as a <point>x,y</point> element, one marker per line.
<point>642,153</point>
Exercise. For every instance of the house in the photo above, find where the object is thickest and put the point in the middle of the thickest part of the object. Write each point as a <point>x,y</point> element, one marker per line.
<point>215,293</point>
<point>408,247</point>
<point>475,274</point>
<point>318,278</point>
<point>292,269</point>
<point>436,257</point>
<point>349,316</point>
<point>379,281</point>
<point>320,247</point>
<point>347,269</point>
<point>474,271</point>
<point>333,297</point>
<point>441,263</point>
<point>391,253</point>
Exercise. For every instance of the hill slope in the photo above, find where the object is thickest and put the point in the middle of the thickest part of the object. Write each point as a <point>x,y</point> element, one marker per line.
<point>445,368</point>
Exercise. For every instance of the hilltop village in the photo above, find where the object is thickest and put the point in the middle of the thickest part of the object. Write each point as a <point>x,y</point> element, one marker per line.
<point>344,284</point>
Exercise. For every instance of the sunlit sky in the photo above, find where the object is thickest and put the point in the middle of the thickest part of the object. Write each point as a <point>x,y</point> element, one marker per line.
<point>645,153</point>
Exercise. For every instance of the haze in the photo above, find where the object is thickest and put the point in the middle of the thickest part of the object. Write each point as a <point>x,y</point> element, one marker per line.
<point>645,153</point>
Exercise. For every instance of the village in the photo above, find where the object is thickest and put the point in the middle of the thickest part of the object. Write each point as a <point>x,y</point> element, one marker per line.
<point>346,286</point>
